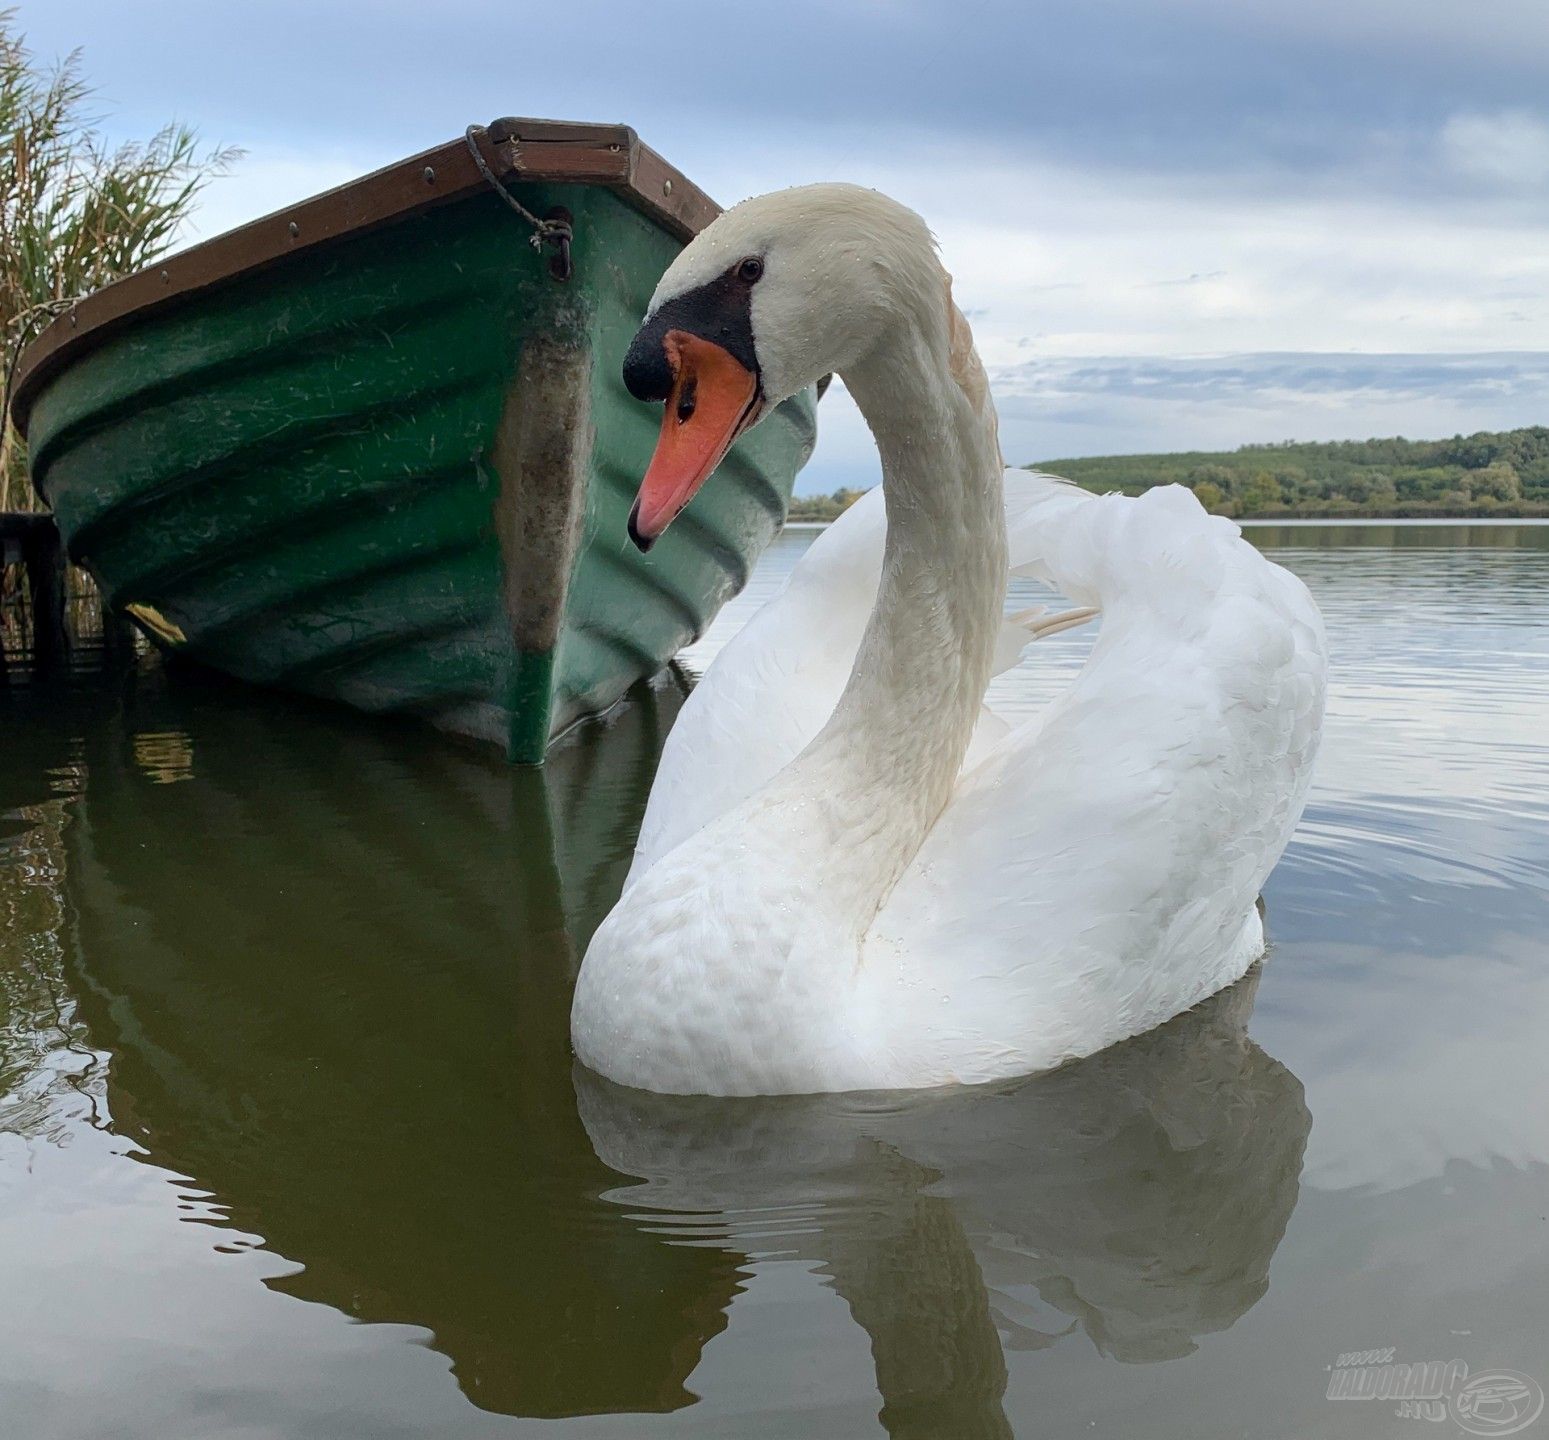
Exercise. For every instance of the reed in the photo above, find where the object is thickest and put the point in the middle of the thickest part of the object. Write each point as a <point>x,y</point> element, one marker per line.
<point>75,210</point>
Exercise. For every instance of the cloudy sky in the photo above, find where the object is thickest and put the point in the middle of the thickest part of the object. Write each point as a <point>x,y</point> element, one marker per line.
<point>1174,223</point>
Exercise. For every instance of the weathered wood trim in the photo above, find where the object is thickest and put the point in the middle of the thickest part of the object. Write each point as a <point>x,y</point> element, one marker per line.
<point>556,152</point>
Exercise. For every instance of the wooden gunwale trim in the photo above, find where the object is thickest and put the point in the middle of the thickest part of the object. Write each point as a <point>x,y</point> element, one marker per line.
<point>551,151</point>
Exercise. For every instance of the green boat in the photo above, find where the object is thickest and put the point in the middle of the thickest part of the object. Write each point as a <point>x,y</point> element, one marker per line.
<point>376,448</point>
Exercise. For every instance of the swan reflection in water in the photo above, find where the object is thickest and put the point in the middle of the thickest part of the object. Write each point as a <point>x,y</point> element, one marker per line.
<point>332,966</point>
<point>1140,1193</point>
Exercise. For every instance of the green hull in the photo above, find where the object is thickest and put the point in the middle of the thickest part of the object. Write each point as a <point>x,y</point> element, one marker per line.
<point>395,471</point>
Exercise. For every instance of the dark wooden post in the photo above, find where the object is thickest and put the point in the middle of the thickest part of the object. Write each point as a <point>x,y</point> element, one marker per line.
<point>43,558</point>
<point>10,554</point>
<point>46,584</point>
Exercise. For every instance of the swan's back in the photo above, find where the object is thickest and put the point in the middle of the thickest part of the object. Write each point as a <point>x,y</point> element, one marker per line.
<point>1098,871</point>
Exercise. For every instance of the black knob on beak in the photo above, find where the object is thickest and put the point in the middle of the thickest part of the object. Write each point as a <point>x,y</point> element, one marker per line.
<point>647,375</point>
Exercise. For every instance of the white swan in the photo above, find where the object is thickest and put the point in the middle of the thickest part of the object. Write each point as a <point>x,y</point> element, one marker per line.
<point>825,896</point>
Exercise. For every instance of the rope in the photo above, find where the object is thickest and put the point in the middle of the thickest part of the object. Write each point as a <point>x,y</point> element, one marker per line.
<point>557,233</point>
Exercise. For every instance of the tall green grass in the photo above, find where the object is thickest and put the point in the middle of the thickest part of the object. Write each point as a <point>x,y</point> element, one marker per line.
<point>75,211</point>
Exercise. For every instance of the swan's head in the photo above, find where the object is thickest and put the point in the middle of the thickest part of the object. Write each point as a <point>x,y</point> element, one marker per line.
<point>775,294</point>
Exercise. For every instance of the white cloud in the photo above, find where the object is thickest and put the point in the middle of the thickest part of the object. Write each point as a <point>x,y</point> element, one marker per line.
<point>1126,405</point>
<point>1409,316</point>
<point>1062,263</point>
<point>1509,148</point>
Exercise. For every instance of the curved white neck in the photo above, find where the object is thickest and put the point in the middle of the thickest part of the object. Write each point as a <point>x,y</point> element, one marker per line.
<point>883,767</point>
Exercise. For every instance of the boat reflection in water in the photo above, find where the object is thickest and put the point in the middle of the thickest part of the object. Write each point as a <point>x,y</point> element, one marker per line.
<point>332,967</point>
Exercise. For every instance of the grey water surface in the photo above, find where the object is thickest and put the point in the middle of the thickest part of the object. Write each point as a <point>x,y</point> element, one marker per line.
<point>292,1145</point>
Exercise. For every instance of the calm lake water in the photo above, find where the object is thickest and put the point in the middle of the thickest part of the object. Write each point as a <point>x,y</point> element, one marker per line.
<point>291,1143</point>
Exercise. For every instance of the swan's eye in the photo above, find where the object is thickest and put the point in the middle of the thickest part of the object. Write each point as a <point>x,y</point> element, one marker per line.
<point>750,269</point>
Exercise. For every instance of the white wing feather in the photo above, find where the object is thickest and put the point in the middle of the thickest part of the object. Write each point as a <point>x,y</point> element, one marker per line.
<point>1098,871</point>
<point>778,679</point>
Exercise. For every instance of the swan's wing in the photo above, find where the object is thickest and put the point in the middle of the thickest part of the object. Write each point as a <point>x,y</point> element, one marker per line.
<point>1097,872</point>
<point>770,690</point>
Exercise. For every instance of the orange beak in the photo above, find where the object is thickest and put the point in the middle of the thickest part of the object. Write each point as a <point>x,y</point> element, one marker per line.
<point>714,399</point>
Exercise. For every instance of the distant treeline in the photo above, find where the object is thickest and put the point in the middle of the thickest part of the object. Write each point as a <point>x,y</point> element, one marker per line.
<point>1505,473</point>
<point>823,507</point>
